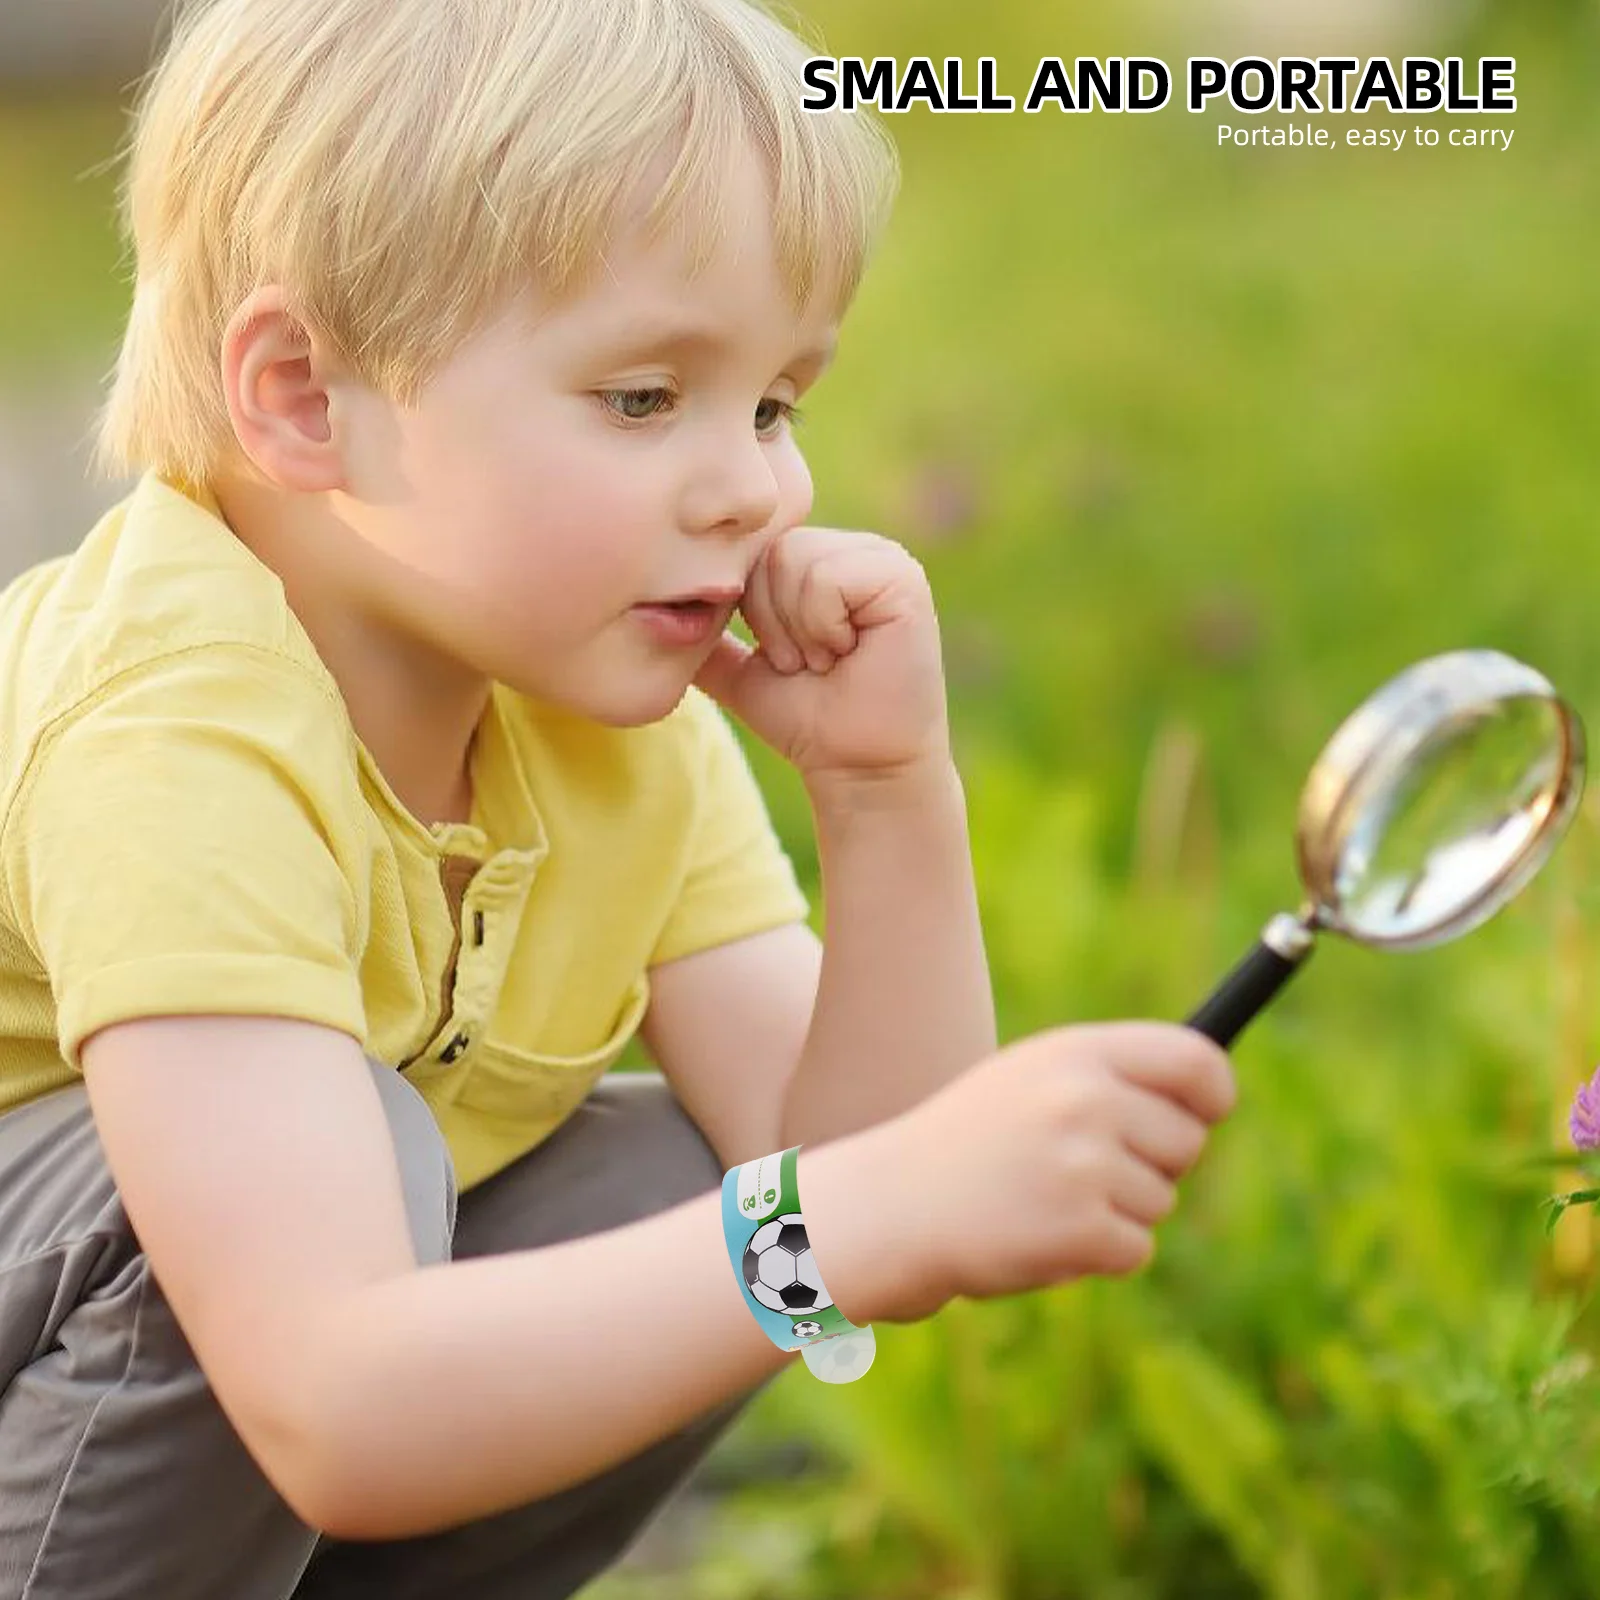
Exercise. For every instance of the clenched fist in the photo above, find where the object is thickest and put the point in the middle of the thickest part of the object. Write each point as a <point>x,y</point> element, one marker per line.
<point>846,678</point>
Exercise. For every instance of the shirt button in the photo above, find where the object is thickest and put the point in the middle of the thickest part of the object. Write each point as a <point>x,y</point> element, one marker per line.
<point>454,1049</point>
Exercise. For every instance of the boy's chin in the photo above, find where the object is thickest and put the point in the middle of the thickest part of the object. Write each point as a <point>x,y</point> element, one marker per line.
<point>623,701</point>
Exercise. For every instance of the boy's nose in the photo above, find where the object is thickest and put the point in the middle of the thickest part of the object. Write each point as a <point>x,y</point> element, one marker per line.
<point>735,491</point>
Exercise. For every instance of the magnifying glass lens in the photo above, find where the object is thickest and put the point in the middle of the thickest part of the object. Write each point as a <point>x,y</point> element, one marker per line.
<point>1456,817</point>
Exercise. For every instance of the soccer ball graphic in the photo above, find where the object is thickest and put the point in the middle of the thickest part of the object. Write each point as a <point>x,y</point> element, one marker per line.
<point>807,1330</point>
<point>779,1270</point>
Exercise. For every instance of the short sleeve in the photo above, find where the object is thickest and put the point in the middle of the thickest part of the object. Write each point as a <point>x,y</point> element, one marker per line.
<point>187,841</point>
<point>739,879</point>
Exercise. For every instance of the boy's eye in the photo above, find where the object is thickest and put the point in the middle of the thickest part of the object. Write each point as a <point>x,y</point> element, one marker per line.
<point>637,405</point>
<point>771,414</point>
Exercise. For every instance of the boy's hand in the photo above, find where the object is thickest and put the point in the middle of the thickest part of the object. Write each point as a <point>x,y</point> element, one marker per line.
<point>1051,1159</point>
<point>847,679</point>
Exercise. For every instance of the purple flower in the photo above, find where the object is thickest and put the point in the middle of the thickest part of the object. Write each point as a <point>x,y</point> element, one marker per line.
<point>1584,1122</point>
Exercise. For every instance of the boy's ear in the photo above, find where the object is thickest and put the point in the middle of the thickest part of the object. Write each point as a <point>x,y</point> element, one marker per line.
<point>279,378</point>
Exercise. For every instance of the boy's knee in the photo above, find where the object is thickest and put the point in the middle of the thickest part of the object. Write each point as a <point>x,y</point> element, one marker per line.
<point>660,1146</point>
<point>630,1150</point>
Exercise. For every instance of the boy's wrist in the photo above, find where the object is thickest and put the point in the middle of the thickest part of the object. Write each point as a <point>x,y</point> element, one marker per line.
<point>858,1201</point>
<point>931,781</point>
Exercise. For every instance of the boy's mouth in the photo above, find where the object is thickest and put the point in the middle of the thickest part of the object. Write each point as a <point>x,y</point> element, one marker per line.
<point>712,599</point>
<point>689,619</point>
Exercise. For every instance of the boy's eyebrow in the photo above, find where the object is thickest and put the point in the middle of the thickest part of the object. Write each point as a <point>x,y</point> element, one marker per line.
<point>681,338</point>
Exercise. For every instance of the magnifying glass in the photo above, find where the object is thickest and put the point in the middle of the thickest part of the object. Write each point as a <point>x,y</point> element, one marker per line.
<point>1433,804</point>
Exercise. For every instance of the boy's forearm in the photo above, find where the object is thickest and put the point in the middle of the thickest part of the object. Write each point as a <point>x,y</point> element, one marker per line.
<point>461,1390</point>
<point>904,1002</point>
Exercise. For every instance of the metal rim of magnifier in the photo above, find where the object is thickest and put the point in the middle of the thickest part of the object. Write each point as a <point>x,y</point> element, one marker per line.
<point>1372,746</point>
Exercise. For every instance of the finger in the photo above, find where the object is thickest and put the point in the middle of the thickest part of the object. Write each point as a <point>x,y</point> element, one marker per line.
<point>770,633</point>
<point>880,581</point>
<point>824,608</point>
<point>1141,1193</point>
<point>1160,1131</point>
<point>1170,1060</point>
<point>724,676</point>
<point>1119,1245</point>
<point>787,573</point>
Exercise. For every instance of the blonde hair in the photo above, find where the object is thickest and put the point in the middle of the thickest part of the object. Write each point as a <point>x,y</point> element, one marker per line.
<point>404,167</point>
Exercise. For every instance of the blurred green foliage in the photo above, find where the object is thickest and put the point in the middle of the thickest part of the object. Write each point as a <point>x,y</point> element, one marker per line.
<point>62,295</point>
<point>1198,446</point>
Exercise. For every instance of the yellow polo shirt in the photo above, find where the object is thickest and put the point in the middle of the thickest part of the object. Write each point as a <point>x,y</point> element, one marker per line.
<point>189,825</point>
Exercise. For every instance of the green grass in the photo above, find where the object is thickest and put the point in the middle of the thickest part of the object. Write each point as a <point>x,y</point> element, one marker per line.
<point>1198,446</point>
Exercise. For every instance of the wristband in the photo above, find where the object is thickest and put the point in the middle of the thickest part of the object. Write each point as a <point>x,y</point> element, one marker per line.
<point>771,1255</point>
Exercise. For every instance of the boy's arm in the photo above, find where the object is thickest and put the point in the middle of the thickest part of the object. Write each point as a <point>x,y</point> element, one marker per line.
<point>904,1003</point>
<point>727,1026</point>
<point>894,1005</point>
<point>254,1158</point>
<point>847,684</point>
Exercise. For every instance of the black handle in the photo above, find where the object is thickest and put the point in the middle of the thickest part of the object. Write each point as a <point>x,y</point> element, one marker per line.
<point>1245,991</point>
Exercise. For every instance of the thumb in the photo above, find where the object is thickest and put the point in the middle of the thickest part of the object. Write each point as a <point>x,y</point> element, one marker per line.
<point>726,673</point>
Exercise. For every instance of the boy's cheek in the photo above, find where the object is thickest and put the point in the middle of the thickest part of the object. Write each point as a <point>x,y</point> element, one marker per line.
<point>797,492</point>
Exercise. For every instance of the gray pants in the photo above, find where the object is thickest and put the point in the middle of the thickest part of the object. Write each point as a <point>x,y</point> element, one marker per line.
<point>120,1478</point>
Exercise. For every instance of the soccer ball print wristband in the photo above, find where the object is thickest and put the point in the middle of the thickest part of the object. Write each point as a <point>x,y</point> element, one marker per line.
<point>771,1256</point>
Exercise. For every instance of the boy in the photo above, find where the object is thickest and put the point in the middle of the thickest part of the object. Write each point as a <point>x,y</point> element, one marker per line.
<point>359,803</point>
